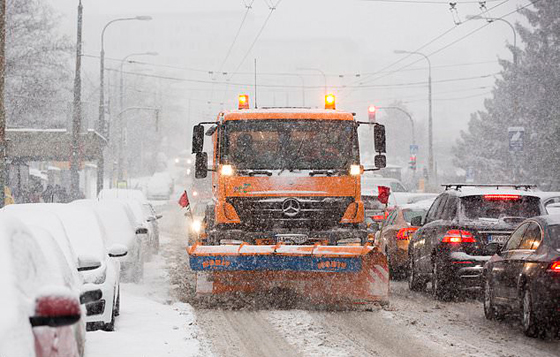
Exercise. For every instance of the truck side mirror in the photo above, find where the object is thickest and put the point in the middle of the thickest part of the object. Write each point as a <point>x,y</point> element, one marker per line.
<point>380,161</point>
<point>201,165</point>
<point>379,138</point>
<point>198,139</point>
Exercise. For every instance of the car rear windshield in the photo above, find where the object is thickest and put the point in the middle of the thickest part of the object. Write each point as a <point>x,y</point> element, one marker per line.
<point>554,236</point>
<point>409,214</point>
<point>500,206</point>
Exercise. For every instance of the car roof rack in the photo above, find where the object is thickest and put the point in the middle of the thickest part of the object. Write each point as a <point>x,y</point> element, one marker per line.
<point>458,186</point>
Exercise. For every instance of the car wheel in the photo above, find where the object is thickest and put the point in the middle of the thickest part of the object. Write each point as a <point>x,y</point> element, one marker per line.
<point>490,310</point>
<point>528,318</point>
<point>414,283</point>
<point>111,325</point>
<point>440,289</point>
<point>118,304</point>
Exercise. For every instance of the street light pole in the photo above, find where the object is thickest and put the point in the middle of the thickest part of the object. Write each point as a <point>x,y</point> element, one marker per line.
<point>409,118</point>
<point>317,70</point>
<point>102,125</point>
<point>430,117</point>
<point>120,163</point>
<point>77,113</point>
<point>120,173</point>
<point>3,143</point>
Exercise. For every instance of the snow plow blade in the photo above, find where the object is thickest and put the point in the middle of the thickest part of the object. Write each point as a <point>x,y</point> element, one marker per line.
<point>323,274</point>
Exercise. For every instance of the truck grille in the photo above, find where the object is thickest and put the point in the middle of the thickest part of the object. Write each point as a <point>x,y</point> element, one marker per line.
<point>314,213</point>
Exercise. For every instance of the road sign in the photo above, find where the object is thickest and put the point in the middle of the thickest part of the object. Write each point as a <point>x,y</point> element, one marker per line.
<point>469,175</point>
<point>516,136</point>
<point>413,149</point>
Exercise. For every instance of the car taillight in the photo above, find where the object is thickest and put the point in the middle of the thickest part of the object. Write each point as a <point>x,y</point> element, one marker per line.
<point>554,267</point>
<point>406,233</point>
<point>458,236</point>
<point>378,217</point>
<point>501,197</point>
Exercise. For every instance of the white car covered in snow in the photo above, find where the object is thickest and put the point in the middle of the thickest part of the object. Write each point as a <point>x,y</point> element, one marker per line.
<point>39,304</point>
<point>160,186</point>
<point>142,209</point>
<point>95,290</point>
<point>98,265</point>
<point>121,228</point>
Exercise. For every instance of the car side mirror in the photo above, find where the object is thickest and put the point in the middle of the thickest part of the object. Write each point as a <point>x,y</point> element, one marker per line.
<point>141,230</point>
<point>151,218</point>
<point>416,221</point>
<point>201,165</point>
<point>198,139</point>
<point>88,263</point>
<point>118,250</point>
<point>494,248</point>
<point>56,309</point>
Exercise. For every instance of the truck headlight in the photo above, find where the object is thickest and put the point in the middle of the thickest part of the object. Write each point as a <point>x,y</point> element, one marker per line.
<point>196,226</point>
<point>227,170</point>
<point>355,170</point>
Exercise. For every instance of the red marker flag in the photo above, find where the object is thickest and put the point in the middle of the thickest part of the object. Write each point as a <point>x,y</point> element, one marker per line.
<point>383,194</point>
<point>184,200</point>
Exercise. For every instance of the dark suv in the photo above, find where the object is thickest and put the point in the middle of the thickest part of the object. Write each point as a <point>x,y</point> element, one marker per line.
<point>454,241</point>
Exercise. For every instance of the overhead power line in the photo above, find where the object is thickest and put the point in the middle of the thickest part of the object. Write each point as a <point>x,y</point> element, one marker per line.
<point>431,2</point>
<point>248,8</point>
<point>404,58</point>
<point>272,8</point>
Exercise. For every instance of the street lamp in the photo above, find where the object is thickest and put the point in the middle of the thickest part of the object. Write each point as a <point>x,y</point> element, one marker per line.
<point>492,19</point>
<point>123,61</point>
<point>120,171</point>
<point>102,126</point>
<point>430,118</point>
<point>409,118</point>
<point>317,70</point>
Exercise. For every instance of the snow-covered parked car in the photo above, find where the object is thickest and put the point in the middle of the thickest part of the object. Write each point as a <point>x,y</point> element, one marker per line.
<point>142,210</point>
<point>93,293</point>
<point>39,304</point>
<point>160,186</point>
<point>121,228</point>
<point>98,265</point>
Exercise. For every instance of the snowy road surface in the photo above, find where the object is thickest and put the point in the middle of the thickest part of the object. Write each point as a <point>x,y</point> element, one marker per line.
<point>157,319</point>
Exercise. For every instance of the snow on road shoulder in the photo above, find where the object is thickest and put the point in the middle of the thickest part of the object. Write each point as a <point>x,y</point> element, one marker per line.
<point>147,328</point>
<point>150,324</point>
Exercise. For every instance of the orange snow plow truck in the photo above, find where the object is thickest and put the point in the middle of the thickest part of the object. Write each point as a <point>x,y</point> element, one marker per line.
<point>287,211</point>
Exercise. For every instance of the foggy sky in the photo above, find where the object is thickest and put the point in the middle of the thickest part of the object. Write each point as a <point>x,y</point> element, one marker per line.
<point>340,37</point>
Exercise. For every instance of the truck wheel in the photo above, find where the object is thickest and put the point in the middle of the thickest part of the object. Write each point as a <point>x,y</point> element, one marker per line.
<point>414,283</point>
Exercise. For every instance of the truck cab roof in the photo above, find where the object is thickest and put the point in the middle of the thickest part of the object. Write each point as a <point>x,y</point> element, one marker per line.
<point>287,113</point>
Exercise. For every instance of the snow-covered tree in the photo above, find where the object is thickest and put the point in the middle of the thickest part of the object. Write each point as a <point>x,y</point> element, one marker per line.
<point>38,66</point>
<point>526,95</point>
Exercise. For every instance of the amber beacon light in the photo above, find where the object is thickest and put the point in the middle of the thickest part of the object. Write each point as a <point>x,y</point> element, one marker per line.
<point>330,101</point>
<point>243,101</point>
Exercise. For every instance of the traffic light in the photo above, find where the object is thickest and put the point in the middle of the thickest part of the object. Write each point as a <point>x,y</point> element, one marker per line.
<point>412,162</point>
<point>371,113</point>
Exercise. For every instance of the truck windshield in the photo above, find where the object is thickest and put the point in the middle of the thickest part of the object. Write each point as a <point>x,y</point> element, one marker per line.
<point>476,207</point>
<point>290,144</point>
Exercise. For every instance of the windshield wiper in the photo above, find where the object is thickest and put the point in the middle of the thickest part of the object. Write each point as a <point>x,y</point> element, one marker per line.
<point>296,156</point>
<point>249,172</point>
<point>322,172</point>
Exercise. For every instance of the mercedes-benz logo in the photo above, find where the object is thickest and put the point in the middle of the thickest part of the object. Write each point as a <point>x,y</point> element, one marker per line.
<point>291,207</point>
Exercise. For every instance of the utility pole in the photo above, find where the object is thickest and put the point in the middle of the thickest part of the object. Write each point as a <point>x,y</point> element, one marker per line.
<point>3,143</point>
<point>77,114</point>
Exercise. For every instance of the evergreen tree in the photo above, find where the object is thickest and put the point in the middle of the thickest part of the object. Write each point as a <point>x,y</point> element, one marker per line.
<point>527,96</point>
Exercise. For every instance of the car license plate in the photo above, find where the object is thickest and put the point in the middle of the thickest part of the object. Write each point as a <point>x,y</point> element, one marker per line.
<point>292,238</point>
<point>492,238</point>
